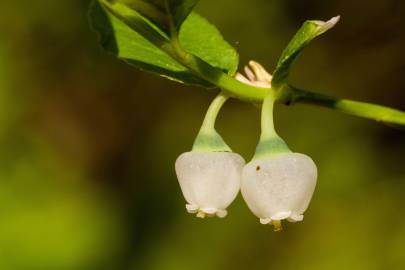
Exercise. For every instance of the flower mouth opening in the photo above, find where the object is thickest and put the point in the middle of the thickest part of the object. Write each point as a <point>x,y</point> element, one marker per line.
<point>203,212</point>
<point>276,220</point>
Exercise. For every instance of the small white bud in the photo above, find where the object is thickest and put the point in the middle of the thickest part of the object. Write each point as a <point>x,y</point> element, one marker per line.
<point>256,75</point>
<point>210,181</point>
<point>279,187</point>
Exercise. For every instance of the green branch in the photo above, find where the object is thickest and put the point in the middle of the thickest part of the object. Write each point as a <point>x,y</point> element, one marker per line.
<point>356,108</point>
<point>287,94</point>
<point>284,93</point>
<point>230,85</point>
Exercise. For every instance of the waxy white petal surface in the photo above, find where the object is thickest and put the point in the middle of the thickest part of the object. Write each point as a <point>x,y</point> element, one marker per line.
<point>210,181</point>
<point>279,187</point>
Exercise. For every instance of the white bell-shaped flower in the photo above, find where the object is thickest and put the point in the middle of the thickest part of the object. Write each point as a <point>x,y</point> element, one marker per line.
<point>277,184</point>
<point>210,181</point>
<point>279,187</point>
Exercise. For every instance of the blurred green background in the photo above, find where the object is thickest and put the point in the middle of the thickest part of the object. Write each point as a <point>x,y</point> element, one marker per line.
<point>88,144</point>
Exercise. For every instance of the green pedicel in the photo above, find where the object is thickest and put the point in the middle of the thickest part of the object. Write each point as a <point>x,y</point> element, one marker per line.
<point>208,139</point>
<point>270,143</point>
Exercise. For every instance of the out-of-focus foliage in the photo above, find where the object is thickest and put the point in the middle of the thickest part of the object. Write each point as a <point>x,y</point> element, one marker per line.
<point>87,144</point>
<point>50,223</point>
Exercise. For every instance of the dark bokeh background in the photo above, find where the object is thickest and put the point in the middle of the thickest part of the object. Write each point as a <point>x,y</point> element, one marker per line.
<point>87,144</point>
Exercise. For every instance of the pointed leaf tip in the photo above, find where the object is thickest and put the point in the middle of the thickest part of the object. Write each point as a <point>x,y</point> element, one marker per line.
<point>326,25</point>
<point>308,31</point>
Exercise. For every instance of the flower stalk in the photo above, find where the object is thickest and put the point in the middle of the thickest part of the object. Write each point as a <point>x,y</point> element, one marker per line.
<point>270,142</point>
<point>208,139</point>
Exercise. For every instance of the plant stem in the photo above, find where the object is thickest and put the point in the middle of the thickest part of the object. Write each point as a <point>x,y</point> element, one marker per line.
<point>208,139</point>
<point>356,108</point>
<point>267,121</point>
<point>270,143</point>
<point>212,113</point>
<point>285,93</point>
<point>228,84</point>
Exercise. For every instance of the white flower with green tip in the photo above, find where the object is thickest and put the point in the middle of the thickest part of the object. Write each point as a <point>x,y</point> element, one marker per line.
<point>277,184</point>
<point>210,175</point>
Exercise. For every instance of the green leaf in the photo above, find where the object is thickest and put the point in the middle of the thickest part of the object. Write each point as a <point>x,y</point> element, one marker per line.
<point>119,39</point>
<point>168,15</point>
<point>308,31</point>
<point>135,21</point>
<point>125,33</point>
<point>202,39</point>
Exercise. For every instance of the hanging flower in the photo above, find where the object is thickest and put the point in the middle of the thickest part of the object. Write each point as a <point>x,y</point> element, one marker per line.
<point>279,187</point>
<point>209,181</point>
<point>210,175</point>
<point>277,184</point>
